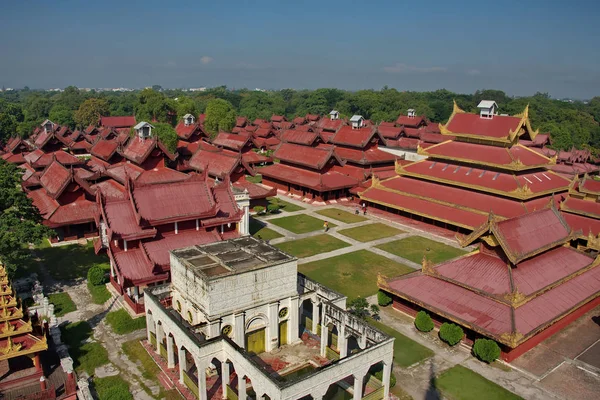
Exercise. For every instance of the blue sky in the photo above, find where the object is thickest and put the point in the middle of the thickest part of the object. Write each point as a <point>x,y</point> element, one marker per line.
<point>517,46</point>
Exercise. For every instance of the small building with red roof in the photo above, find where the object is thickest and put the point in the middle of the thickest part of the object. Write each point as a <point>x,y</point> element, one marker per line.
<point>523,284</point>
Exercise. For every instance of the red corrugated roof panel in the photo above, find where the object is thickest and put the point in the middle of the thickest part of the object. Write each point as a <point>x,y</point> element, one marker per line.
<point>353,137</point>
<point>104,149</point>
<point>110,188</point>
<point>231,141</point>
<point>472,124</point>
<point>331,125</point>
<point>134,265</point>
<point>310,179</point>
<point>55,179</point>
<point>526,234</point>
<point>216,163</point>
<point>139,149</point>
<point>586,207</point>
<point>158,250</point>
<point>313,157</point>
<point>581,223</point>
<point>370,156</point>
<point>299,137</point>
<point>118,122</point>
<point>78,212</point>
<point>483,271</point>
<point>415,121</point>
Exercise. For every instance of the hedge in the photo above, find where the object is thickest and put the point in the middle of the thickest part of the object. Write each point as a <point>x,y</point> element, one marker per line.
<point>273,208</point>
<point>423,322</point>
<point>383,299</point>
<point>451,333</point>
<point>95,275</point>
<point>259,209</point>
<point>486,350</point>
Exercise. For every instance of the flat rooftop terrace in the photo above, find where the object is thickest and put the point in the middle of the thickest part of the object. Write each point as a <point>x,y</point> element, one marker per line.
<point>230,257</point>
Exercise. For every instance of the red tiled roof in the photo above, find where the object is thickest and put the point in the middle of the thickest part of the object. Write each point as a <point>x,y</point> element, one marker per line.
<point>241,121</point>
<point>43,138</point>
<point>14,158</point>
<point>590,185</point>
<point>231,141</point>
<point>251,157</point>
<point>589,208</point>
<point>122,171</point>
<point>299,120</point>
<point>581,223</point>
<point>410,121</point>
<point>135,266</point>
<point>508,184</point>
<point>472,124</point>
<point>431,137</point>
<point>313,157</point>
<point>353,137</point>
<point>186,131</point>
<point>389,132</point>
<point>299,137</point>
<point>255,191</point>
<point>118,122</point>
<point>104,149</point>
<point>488,155</point>
<point>412,132</point>
<point>262,132</point>
<point>163,203</point>
<point>215,163</point>
<point>278,118</point>
<point>44,203</point>
<point>55,179</point>
<point>161,175</point>
<point>310,179</point>
<point>522,236</point>
<point>109,188</point>
<point>365,157</point>
<point>139,149</point>
<point>77,212</point>
<point>331,125</point>
<point>121,220</point>
<point>403,143</point>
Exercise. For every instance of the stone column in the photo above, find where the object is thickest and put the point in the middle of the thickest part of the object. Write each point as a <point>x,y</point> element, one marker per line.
<point>149,324</point>
<point>159,333</point>
<point>318,393</point>
<point>213,329</point>
<point>316,316</point>
<point>293,335</point>
<point>324,339</point>
<point>342,341</point>
<point>201,379</point>
<point>239,330</point>
<point>241,387</point>
<point>170,352</point>
<point>358,385</point>
<point>224,377</point>
<point>37,363</point>
<point>273,330</point>
<point>182,363</point>
<point>387,370</point>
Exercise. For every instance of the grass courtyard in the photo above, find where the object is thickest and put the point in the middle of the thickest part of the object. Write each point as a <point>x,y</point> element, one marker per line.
<point>340,215</point>
<point>258,230</point>
<point>87,355</point>
<point>312,245</point>
<point>414,247</point>
<point>460,383</point>
<point>112,388</point>
<point>406,351</point>
<point>370,232</point>
<point>63,303</point>
<point>353,274</point>
<point>71,261</point>
<point>121,322</point>
<point>300,223</point>
<point>284,205</point>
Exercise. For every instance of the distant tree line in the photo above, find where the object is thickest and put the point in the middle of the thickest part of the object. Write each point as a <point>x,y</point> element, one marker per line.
<point>570,123</point>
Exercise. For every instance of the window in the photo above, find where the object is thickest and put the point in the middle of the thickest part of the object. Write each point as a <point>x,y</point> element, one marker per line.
<point>283,312</point>
<point>190,317</point>
<point>226,331</point>
<point>178,306</point>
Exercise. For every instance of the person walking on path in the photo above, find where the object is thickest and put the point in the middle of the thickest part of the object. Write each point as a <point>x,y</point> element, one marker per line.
<point>364,207</point>
<point>326,226</point>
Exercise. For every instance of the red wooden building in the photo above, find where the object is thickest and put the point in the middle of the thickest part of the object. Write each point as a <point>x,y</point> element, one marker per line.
<point>523,284</point>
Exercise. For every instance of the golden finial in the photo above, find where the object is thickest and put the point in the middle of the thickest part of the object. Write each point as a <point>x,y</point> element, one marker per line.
<point>375,181</point>
<point>515,298</point>
<point>427,266</point>
<point>382,280</point>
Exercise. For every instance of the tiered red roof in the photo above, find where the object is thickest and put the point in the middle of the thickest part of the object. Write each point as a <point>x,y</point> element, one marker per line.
<point>520,281</point>
<point>118,122</point>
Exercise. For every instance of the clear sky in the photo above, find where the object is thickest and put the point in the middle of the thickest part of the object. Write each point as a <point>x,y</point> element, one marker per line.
<point>517,46</point>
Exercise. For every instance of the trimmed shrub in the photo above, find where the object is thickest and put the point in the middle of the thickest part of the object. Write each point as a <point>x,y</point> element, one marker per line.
<point>486,350</point>
<point>95,275</point>
<point>451,333</point>
<point>379,375</point>
<point>259,210</point>
<point>423,322</point>
<point>273,208</point>
<point>383,299</point>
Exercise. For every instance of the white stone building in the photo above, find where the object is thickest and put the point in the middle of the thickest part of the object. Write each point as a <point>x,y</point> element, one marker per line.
<point>239,310</point>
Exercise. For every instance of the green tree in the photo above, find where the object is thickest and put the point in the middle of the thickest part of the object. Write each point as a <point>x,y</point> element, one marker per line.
<point>185,105</point>
<point>8,127</point>
<point>220,116</point>
<point>152,106</point>
<point>37,108</point>
<point>20,221</point>
<point>166,134</point>
<point>90,111</point>
<point>423,322</point>
<point>62,115</point>
<point>71,98</point>
<point>359,307</point>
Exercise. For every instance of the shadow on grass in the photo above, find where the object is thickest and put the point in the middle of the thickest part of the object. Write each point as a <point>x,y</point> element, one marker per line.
<point>432,391</point>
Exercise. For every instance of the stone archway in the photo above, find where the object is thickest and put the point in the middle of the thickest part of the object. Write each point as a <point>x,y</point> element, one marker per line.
<point>256,334</point>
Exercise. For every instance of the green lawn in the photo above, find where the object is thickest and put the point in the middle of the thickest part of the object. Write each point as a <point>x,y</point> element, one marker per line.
<point>86,356</point>
<point>312,245</point>
<point>99,293</point>
<point>406,351</point>
<point>414,247</point>
<point>259,231</point>
<point>367,233</point>
<point>62,303</point>
<point>134,350</point>
<point>300,223</point>
<point>284,205</point>
<point>71,261</point>
<point>112,388</point>
<point>341,215</point>
<point>460,383</point>
<point>121,322</point>
<point>353,274</point>
<point>254,179</point>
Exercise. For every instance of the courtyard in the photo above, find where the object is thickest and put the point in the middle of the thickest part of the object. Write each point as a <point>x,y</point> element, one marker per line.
<point>347,258</point>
